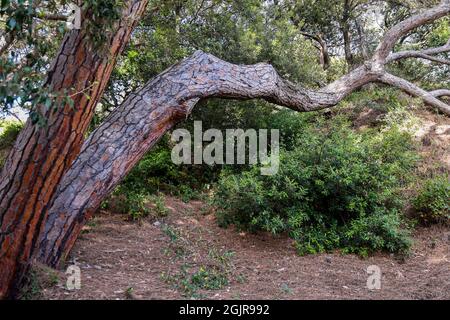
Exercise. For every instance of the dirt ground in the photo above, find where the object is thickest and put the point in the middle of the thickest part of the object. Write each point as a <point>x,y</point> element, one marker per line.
<point>186,255</point>
<point>129,260</point>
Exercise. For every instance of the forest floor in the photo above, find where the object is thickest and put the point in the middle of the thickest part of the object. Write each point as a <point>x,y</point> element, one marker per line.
<point>186,255</point>
<point>156,260</point>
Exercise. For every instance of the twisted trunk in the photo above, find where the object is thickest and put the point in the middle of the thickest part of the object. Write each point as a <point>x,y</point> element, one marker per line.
<point>46,199</point>
<point>42,154</point>
<point>133,128</point>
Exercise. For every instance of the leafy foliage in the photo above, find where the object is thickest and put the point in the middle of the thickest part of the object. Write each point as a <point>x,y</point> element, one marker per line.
<point>9,130</point>
<point>432,203</point>
<point>335,189</point>
<point>32,32</point>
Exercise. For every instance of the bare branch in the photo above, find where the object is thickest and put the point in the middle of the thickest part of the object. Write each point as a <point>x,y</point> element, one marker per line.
<point>52,17</point>
<point>396,32</point>
<point>417,54</point>
<point>428,97</point>
<point>440,93</point>
<point>427,54</point>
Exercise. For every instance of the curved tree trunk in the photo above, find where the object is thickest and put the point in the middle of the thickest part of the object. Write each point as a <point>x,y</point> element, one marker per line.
<point>71,195</point>
<point>42,154</point>
<point>133,128</point>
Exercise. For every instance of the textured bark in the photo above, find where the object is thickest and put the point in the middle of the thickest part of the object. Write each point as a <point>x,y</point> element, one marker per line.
<point>69,196</point>
<point>43,154</point>
<point>132,129</point>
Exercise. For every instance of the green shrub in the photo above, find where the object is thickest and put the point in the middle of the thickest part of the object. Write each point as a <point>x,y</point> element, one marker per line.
<point>209,278</point>
<point>432,203</point>
<point>335,189</point>
<point>136,205</point>
<point>159,209</point>
<point>9,130</point>
<point>382,98</point>
<point>156,172</point>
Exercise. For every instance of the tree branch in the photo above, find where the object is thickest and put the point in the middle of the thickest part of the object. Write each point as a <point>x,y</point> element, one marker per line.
<point>417,54</point>
<point>52,17</point>
<point>427,54</point>
<point>321,45</point>
<point>428,97</point>
<point>146,115</point>
<point>395,33</point>
<point>440,93</point>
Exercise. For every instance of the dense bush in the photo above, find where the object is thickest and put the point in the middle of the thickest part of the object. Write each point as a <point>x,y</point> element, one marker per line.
<point>153,174</point>
<point>136,205</point>
<point>9,130</point>
<point>156,172</point>
<point>335,189</point>
<point>432,203</point>
<point>384,99</point>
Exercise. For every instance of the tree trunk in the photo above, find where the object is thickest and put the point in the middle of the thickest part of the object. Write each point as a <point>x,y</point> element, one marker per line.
<point>144,117</point>
<point>321,45</point>
<point>324,54</point>
<point>46,199</point>
<point>362,41</point>
<point>132,129</point>
<point>347,47</point>
<point>345,27</point>
<point>42,154</point>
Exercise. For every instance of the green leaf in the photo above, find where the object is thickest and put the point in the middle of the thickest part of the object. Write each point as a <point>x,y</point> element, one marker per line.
<point>12,23</point>
<point>4,4</point>
<point>70,102</point>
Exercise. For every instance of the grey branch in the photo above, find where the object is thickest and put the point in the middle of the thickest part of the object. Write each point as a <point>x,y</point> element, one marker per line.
<point>427,54</point>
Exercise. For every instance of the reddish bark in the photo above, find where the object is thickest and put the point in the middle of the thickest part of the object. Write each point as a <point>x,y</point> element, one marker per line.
<point>41,155</point>
<point>133,128</point>
<point>44,203</point>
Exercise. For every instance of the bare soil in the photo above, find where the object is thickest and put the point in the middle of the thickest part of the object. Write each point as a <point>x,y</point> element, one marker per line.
<point>157,257</point>
<point>115,255</point>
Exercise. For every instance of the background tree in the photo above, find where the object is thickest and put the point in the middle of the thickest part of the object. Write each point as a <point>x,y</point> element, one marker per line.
<point>64,107</point>
<point>53,182</point>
